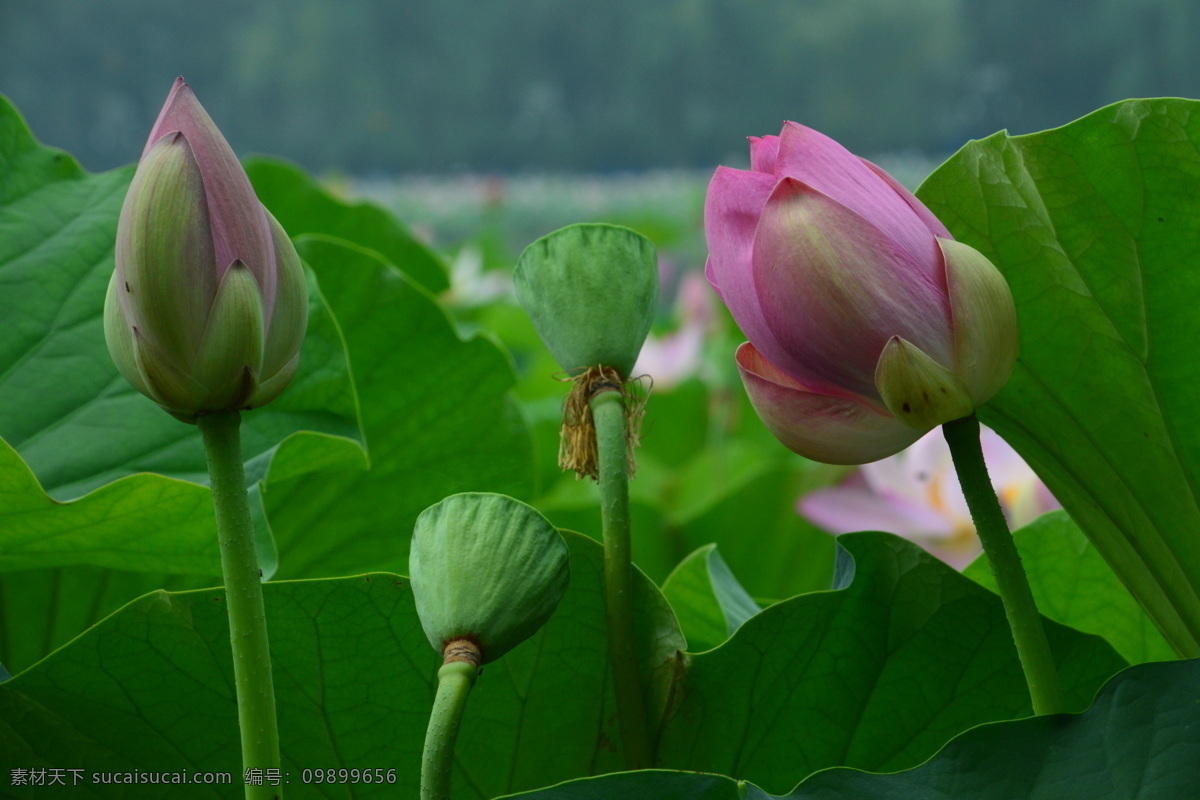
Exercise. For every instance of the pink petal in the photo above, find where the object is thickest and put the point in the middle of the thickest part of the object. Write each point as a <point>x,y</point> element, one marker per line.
<point>694,301</point>
<point>834,171</point>
<point>933,223</point>
<point>1004,465</point>
<point>1044,499</point>
<point>711,277</point>
<point>910,473</point>
<point>833,289</point>
<point>763,152</point>
<point>671,359</point>
<point>731,210</point>
<point>239,224</point>
<point>1022,494</point>
<point>835,430</point>
<point>844,509</point>
<point>161,125</point>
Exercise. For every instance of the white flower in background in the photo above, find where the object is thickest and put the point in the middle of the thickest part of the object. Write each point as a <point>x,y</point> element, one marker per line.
<point>470,285</point>
<point>674,357</point>
<point>916,494</point>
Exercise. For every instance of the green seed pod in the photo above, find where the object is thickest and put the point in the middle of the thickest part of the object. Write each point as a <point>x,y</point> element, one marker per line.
<point>485,568</point>
<point>591,290</point>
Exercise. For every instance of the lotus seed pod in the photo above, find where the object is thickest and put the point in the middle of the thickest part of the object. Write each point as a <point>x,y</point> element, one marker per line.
<point>485,568</point>
<point>591,291</point>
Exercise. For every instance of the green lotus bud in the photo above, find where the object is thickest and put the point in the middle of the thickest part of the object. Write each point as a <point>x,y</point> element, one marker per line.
<point>591,291</point>
<point>486,570</point>
<point>207,307</point>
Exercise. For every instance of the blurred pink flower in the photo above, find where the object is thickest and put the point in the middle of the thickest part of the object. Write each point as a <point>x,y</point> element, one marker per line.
<point>915,494</point>
<point>674,357</point>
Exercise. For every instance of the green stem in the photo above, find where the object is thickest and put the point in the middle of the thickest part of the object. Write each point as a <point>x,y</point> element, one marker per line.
<point>243,597</point>
<point>1032,648</point>
<point>454,684</point>
<point>608,416</point>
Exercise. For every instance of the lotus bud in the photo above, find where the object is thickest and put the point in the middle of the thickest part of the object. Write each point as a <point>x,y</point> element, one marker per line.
<point>868,323</point>
<point>487,571</point>
<point>207,306</point>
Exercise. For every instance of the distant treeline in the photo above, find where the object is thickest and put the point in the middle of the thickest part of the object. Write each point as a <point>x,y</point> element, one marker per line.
<point>502,85</point>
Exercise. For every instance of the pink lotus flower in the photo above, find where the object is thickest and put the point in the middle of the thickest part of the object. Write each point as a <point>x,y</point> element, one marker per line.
<point>916,494</point>
<point>868,323</point>
<point>207,307</point>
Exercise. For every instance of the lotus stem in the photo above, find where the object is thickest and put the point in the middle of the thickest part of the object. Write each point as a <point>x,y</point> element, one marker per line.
<point>1032,648</point>
<point>608,416</point>
<point>455,679</point>
<point>252,677</point>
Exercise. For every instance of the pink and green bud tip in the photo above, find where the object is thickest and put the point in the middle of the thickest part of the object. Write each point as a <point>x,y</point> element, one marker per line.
<point>207,307</point>
<point>868,323</point>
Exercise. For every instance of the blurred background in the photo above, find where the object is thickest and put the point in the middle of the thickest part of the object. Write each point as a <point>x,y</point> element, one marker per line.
<point>390,86</point>
<point>392,92</point>
<point>483,124</point>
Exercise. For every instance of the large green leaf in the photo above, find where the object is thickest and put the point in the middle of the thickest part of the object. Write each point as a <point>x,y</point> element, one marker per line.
<point>43,609</point>
<point>65,565</point>
<point>708,600</point>
<point>877,675</point>
<point>152,688</point>
<point>302,206</point>
<point>1074,586</point>
<point>651,784</point>
<point>1155,753</point>
<point>817,681</point>
<point>124,522</point>
<point>752,517</point>
<point>1094,225</point>
<point>63,405</point>
<point>436,412</point>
